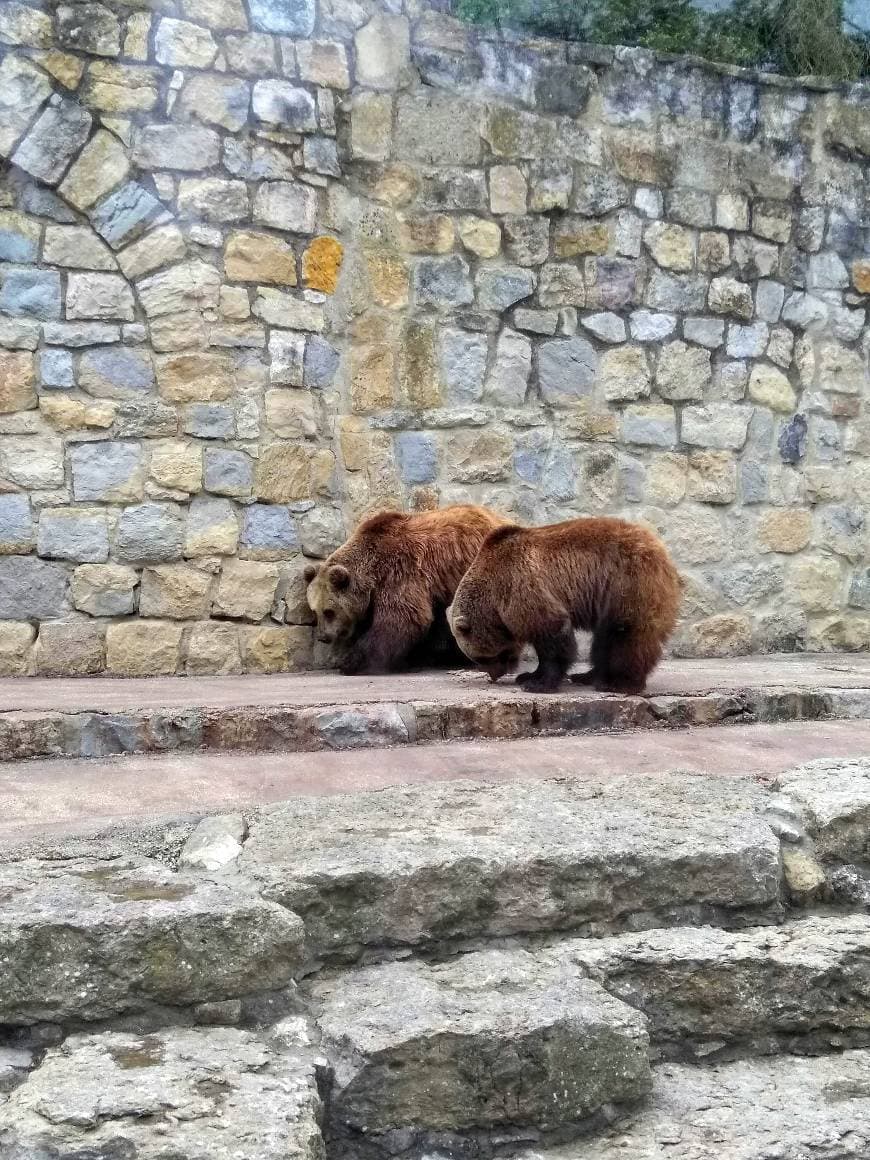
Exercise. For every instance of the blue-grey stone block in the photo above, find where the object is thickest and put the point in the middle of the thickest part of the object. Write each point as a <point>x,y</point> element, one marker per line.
<point>150,532</point>
<point>210,421</point>
<point>104,471</point>
<point>293,17</point>
<point>48,149</point>
<point>417,457</point>
<point>228,472</point>
<point>320,363</point>
<point>753,482</point>
<point>31,589</point>
<point>56,370</point>
<point>16,246</point>
<point>124,215</point>
<point>498,289</point>
<point>566,368</point>
<point>16,525</point>
<point>463,365</point>
<point>859,589</point>
<point>43,203</point>
<point>31,294</point>
<point>116,372</point>
<point>442,282</point>
<point>269,528</point>
<point>66,534</point>
<point>793,440</point>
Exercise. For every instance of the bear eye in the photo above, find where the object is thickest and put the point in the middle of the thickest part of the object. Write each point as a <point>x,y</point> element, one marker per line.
<point>328,614</point>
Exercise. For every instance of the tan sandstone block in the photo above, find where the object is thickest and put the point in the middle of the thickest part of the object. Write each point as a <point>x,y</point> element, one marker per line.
<point>283,473</point>
<point>174,591</point>
<point>253,257</point>
<point>725,635</point>
<point>672,247</point>
<point>177,465</point>
<point>70,648</point>
<point>277,650</point>
<point>246,590</point>
<point>101,165</point>
<point>143,648</point>
<point>213,650</point>
<point>16,640</point>
<point>104,589</point>
<point>292,414</point>
<point>666,479</point>
<point>817,583</point>
<point>73,415</point>
<point>197,376</point>
<point>480,236</point>
<point>861,275</point>
<point>65,69</point>
<point>17,381</point>
<point>770,387</point>
<point>426,234</point>
<point>388,277</point>
<point>372,377</point>
<point>785,529</point>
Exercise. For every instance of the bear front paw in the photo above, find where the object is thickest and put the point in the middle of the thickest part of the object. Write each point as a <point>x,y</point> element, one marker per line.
<point>536,684</point>
<point>353,663</point>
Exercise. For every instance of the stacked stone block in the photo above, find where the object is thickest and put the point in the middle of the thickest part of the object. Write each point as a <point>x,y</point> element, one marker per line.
<point>270,265</point>
<point>166,388</point>
<point>603,282</point>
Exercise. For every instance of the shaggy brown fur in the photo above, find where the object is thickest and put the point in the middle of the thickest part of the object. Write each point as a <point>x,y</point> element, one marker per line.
<point>537,585</point>
<point>383,595</point>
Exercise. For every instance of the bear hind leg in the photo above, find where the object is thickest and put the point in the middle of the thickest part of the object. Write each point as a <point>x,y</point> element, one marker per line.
<point>557,651</point>
<point>624,658</point>
<point>599,655</point>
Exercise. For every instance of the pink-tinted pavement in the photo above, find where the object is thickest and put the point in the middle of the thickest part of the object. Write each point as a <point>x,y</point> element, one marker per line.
<point>66,797</point>
<point>305,689</point>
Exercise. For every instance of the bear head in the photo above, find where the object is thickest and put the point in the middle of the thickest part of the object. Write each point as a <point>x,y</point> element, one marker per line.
<point>338,599</point>
<point>483,637</point>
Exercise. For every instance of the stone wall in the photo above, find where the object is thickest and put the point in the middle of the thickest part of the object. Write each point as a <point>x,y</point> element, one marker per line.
<point>270,265</point>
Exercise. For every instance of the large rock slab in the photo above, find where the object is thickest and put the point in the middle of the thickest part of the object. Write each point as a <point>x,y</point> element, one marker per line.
<point>754,989</point>
<point>217,1094</point>
<point>420,865</point>
<point>834,795</point>
<point>787,1108</point>
<point>90,939</point>
<point>492,1038</point>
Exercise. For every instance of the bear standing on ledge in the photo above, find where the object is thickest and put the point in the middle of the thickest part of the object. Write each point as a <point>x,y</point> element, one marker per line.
<point>383,594</point>
<point>537,585</point>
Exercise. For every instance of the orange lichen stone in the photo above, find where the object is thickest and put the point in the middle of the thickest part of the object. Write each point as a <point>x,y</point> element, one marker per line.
<point>321,264</point>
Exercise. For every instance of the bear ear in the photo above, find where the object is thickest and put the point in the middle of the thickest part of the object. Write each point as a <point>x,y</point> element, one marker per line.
<point>339,577</point>
<point>462,624</point>
<point>310,572</point>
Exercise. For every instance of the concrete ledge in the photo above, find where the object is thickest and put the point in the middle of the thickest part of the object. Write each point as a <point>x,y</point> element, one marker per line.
<point>99,717</point>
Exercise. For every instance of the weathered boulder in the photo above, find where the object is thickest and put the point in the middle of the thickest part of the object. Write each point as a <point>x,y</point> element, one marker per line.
<point>89,939</point>
<point>492,1038</point>
<point>215,1094</point>
<point>368,869</point>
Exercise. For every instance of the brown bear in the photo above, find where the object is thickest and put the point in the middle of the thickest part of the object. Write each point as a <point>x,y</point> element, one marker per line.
<point>384,594</point>
<point>537,585</point>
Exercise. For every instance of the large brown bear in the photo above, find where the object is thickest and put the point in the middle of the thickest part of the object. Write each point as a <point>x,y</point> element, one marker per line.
<point>384,594</point>
<point>537,585</point>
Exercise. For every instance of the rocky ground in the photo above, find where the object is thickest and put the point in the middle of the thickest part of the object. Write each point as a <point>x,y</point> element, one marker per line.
<point>577,964</point>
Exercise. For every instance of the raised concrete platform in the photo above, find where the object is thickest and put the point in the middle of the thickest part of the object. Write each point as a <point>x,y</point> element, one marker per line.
<point>42,799</point>
<point>306,712</point>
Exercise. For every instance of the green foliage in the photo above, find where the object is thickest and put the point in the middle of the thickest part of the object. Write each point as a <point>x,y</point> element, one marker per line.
<point>796,37</point>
